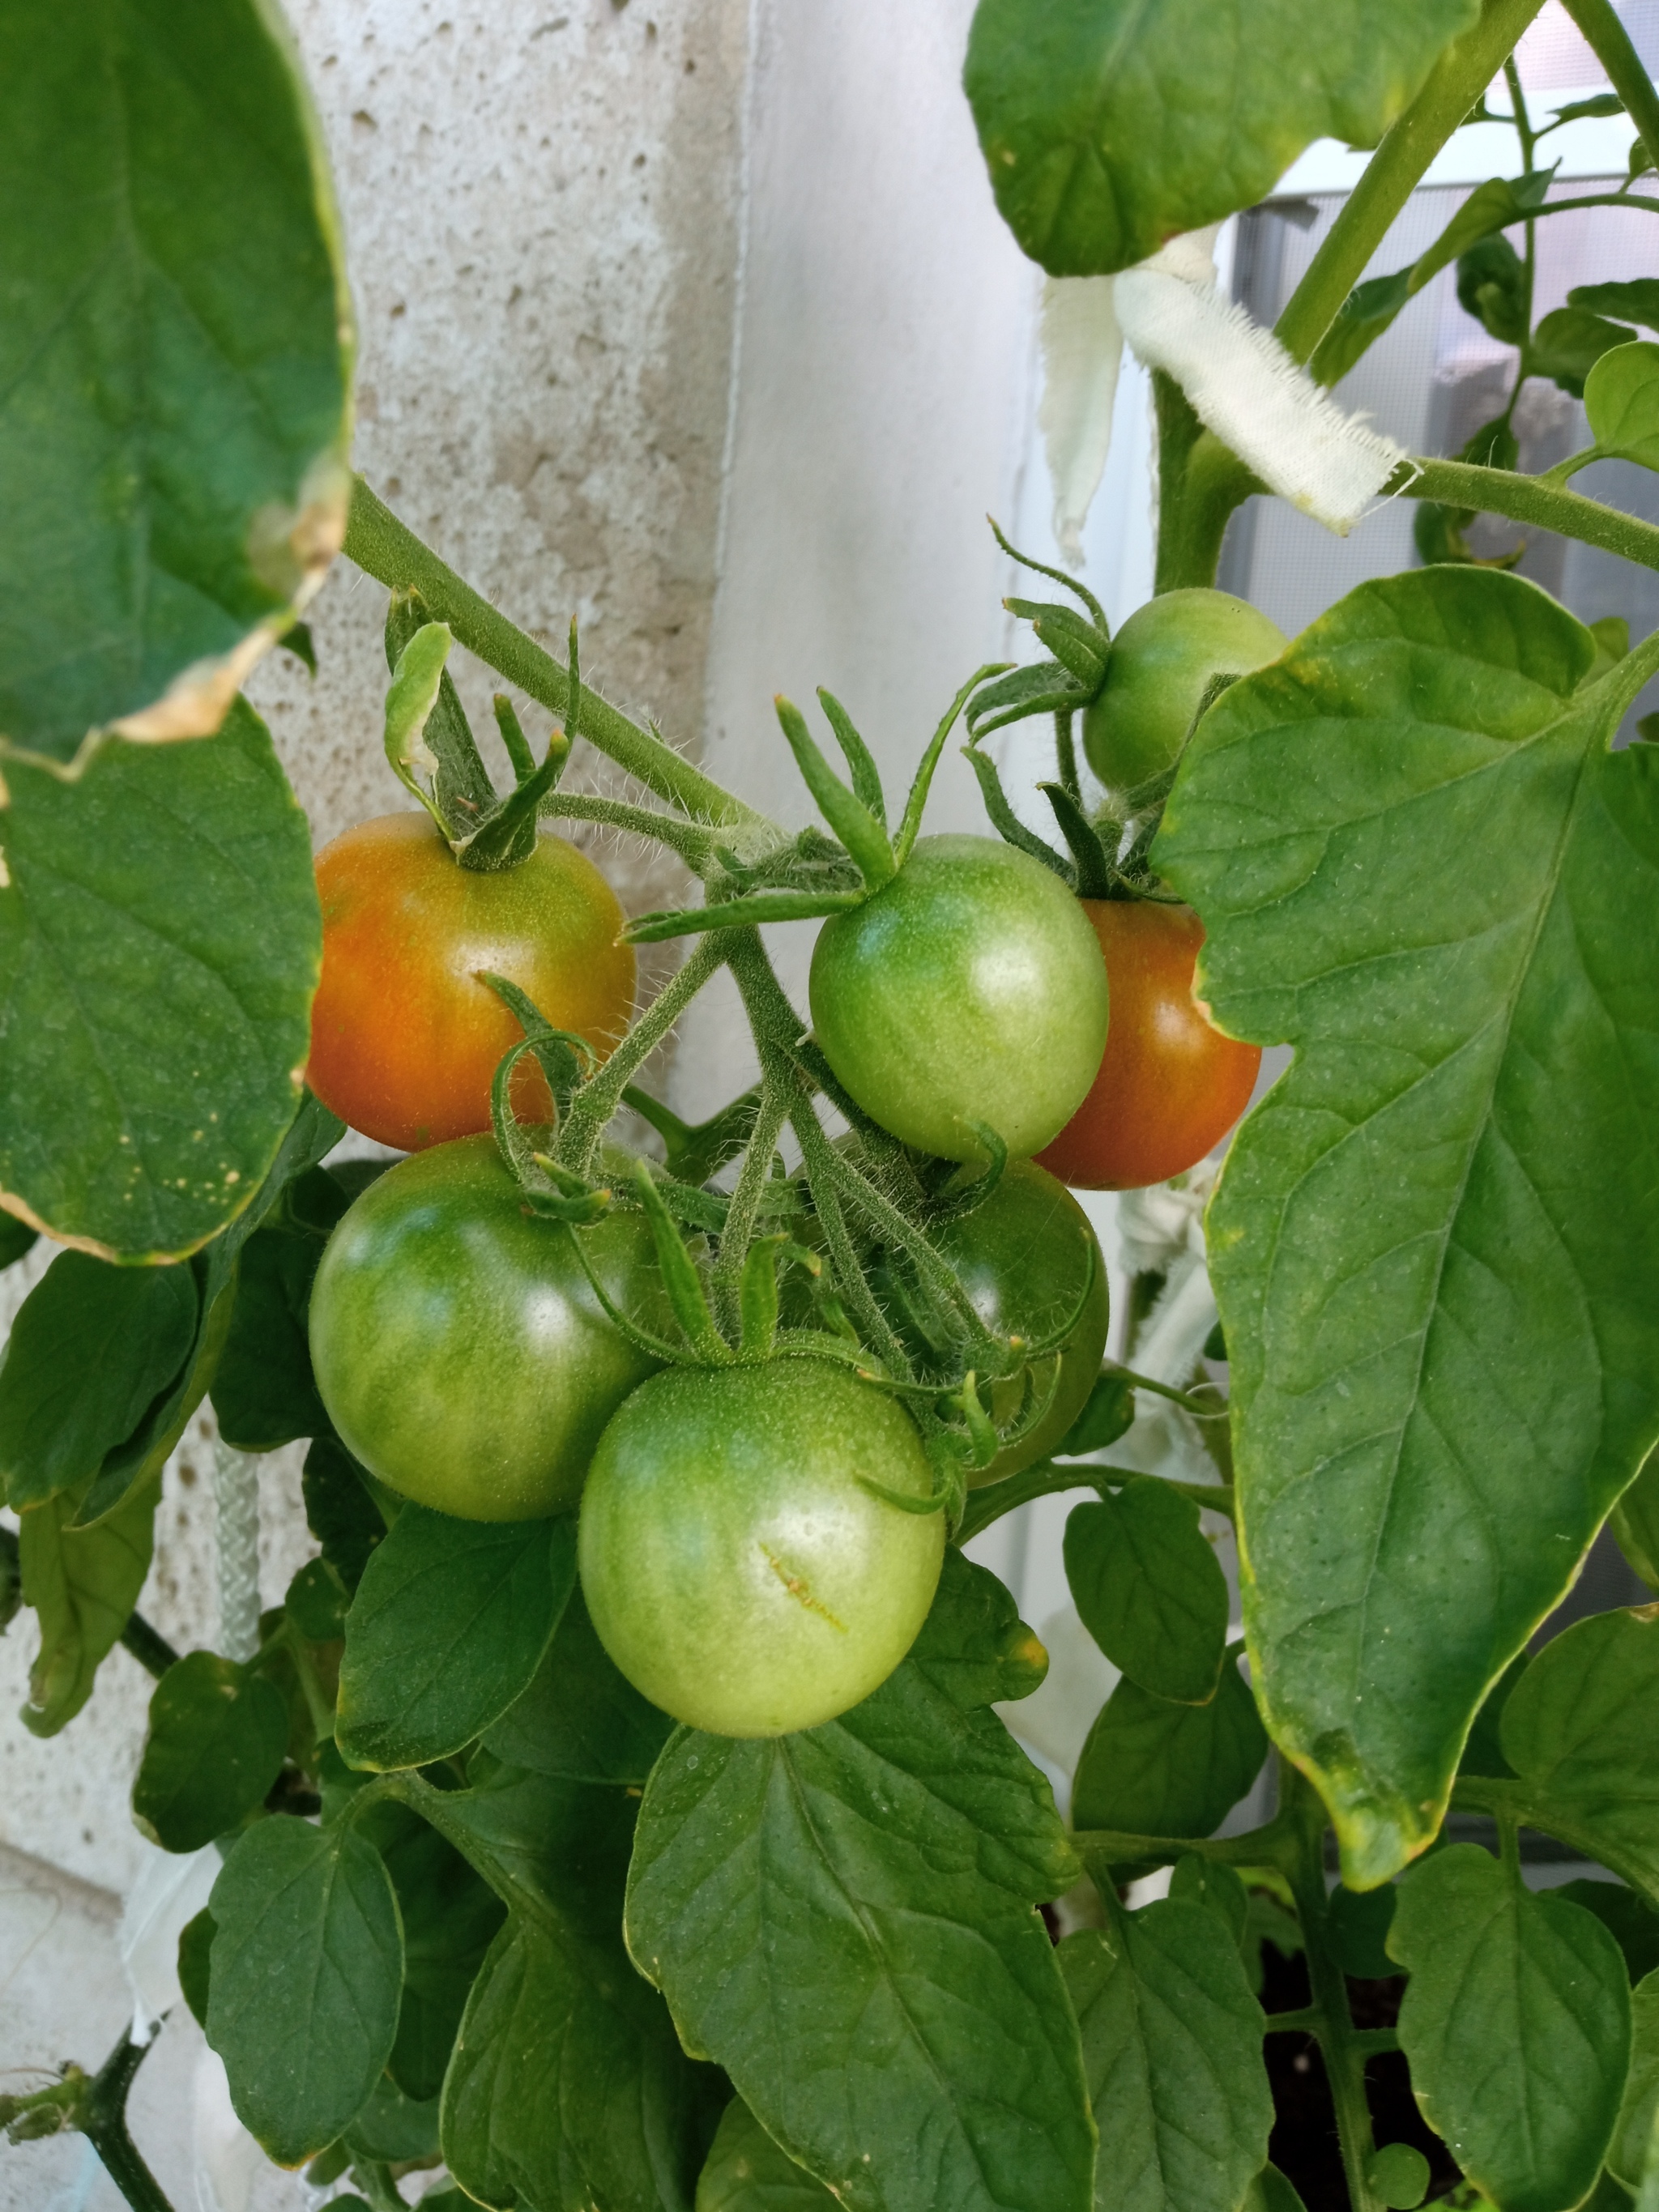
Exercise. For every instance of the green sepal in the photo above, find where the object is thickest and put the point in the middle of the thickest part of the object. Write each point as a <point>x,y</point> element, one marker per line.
<point>695,1151</point>
<point>1045,687</point>
<point>506,838</point>
<point>410,697</point>
<point>849,817</point>
<point>861,764</point>
<point>911,827</point>
<point>681,1279</point>
<point>462,793</point>
<point>1006,824</point>
<point>1094,873</point>
<point>1069,583</point>
<point>513,737</point>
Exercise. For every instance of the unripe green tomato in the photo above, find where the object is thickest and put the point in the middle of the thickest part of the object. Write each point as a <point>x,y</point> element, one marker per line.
<point>734,1565</point>
<point>457,1342</point>
<point>969,988</point>
<point>1023,1259</point>
<point>1161,664</point>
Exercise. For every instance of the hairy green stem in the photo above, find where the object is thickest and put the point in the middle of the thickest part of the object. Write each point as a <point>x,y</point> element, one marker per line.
<point>592,1107</point>
<point>1274,1844</point>
<point>1345,2058</point>
<point>1610,42</point>
<point>779,1087</point>
<point>103,2121</point>
<point>1047,1479</point>
<point>879,1332</point>
<point>1394,171</point>
<point>694,844</point>
<point>1531,499</point>
<point>389,551</point>
<point>1509,1802</point>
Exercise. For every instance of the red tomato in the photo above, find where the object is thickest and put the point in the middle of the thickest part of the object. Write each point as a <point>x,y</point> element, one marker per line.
<point>403,1038</point>
<point>1170,1085</point>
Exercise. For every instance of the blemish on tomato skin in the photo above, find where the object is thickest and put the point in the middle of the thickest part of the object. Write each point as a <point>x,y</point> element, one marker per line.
<point>799,1590</point>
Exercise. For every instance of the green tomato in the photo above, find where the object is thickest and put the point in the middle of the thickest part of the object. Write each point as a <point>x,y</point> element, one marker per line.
<point>735,1568</point>
<point>969,988</point>
<point>457,1342</point>
<point>1024,1259</point>
<point>1161,664</point>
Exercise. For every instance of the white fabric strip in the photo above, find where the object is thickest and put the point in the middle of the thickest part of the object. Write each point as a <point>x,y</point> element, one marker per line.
<point>1082,347</point>
<point>1242,383</point>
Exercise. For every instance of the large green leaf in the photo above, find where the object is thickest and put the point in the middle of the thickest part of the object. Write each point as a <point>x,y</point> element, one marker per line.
<point>1108,125</point>
<point>263,1391</point>
<point>449,1917</point>
<point>174,363</point>
<point>1149,1589</point>
<point>216,1743</point>
<point>567,2090</point>
<point>306,1969</point>
<point>83,1584</point>
<point>1517,2023</point>
<point>159,943</point>
<point>746,2171</point>
<point>1580,1730</point>
<point>1172,2048</point>
<point>92,1348</point>
<point>449,1624</point>
<point>580,1716</point>
<point>842,1918</point>
<point>1417,862</point>
<point>1155,1768</point>
<point>1632,2134</point>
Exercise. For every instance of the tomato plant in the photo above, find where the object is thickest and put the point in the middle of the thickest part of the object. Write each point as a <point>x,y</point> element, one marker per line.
<point>964,992</point>
<point>737,1565</point>
<point>459,1348</point>
<point>1171,1085</point>
<point>405,1037</point>
<point>663,1842</point>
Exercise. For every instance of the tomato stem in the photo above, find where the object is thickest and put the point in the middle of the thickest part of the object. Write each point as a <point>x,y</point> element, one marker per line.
<point>779,1087</point>
<point>387,550</point>
<point>597,1101</point>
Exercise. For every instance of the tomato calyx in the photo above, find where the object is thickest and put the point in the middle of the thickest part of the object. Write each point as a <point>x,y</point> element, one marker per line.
<point>426,730</point>
<point>814,876</point>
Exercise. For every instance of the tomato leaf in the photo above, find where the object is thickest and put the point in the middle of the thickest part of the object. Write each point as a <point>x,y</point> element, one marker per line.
<point>158,946</point>
<point>83,1584</point>
<point>1621,398</point>
<point>1172,2048</point>
<point>195,1964</point>
<point>567,2086</point>
<point>1629,1918</point>
<point>450,1917</point>
<point>1636,300</point>
<point>1154,1768</point>
<point>1417,861</point>
<point>1570,341</point>
<point>1149,1589</point>
<point>92,1348</point>
<point>880,1870</point>
<point>580,1716</point>
<point>393,2127</point>
<point>264,1391</point>
<point>216,1743</point>
<point>174,359</point>
<point>1108,125</point>
<point>306,1969</point>
<point>746,2171</point>
<point>1579,1729</point>
<point>339,1512</point>
<point>448,1625</point>
<point>1632,2133</point>
<point>1517,2023</point>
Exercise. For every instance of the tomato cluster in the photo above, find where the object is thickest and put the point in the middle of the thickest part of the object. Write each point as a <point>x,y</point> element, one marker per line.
<point>760,1535</point>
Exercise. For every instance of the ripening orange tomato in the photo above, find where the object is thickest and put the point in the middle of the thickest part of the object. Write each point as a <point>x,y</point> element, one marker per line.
<point>405,1040</point>
<point>1170,1084</point>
